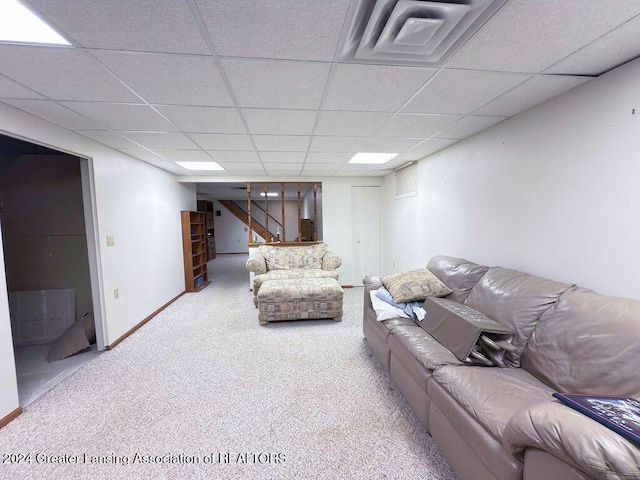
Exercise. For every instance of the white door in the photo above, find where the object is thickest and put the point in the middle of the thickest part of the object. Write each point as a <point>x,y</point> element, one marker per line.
<point>366,232</point>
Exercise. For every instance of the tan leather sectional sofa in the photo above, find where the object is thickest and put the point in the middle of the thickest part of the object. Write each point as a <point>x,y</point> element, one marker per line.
<point>503,423</point>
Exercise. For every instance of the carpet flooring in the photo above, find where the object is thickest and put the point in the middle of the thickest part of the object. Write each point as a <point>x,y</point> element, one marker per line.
<point>204,391</point>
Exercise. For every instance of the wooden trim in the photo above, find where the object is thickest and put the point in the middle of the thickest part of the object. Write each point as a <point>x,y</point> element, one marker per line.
<point>249,216</point>
<point>299,214</point>
<point>266,210</point>
<point>12,416</point>
<point>284,235</point>
<point>346,286</point>
<point>284,244</point>
<point>315,211</point>
<point>146,320</point>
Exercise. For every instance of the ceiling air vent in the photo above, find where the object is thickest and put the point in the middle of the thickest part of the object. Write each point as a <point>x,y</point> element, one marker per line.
<point>412,32</point>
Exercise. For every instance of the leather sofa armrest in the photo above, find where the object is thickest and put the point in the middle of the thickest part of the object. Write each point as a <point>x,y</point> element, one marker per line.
<point>331,261</point>
<point>573,438</point>
<point>372,282</point>
<point>257,263</point>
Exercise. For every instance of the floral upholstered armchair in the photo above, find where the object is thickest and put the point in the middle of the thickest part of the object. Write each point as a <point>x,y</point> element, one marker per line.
<point>275,262</point>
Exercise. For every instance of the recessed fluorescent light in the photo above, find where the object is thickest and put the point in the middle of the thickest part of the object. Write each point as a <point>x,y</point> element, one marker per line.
<point>269,194</point>
<point>374,158</point>
<point>200,165</point>
<point>18,24</point>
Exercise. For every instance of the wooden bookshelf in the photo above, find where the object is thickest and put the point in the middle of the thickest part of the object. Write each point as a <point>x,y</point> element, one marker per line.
<point>194,242</point>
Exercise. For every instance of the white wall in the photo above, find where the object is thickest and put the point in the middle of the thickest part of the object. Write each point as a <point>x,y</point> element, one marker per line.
<point>336,220</point>
<point>8,385</point>
<point>138,204</point>
<point>553,192</point>
<point>231,236</point>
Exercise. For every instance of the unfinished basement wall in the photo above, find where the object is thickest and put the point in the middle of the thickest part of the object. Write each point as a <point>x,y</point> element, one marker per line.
<point>44,234</point>
<point>136,203</point>
<point>552,191</point>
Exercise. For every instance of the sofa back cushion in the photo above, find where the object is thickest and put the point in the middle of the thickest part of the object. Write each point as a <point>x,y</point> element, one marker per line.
<point>286,258</point>
<point>587,343</point>
<point>516,300</point>
<point>458,274</point>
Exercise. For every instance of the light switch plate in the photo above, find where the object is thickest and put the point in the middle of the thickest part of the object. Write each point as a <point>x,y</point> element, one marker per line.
<point>111,240</point>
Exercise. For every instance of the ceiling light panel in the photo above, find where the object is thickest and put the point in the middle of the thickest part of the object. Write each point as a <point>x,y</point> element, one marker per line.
<point>372,158</point>
<point>414,32</point>
<point>18,24</point>
<point>200,166</point>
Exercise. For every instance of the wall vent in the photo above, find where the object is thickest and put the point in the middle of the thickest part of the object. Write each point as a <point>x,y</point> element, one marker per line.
<point>413,32</point>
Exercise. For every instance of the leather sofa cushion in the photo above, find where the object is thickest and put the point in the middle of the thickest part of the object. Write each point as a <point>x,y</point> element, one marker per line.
<point>422,347</point>
<point>491,395</point>
<point>458,274</point>
<point>516,300</point>
<point>587,343</point>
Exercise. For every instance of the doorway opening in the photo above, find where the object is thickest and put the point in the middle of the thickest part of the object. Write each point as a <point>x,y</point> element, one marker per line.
<point>49,264</point>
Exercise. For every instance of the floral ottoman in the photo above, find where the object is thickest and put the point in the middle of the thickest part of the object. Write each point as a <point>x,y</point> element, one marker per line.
<point>299,299</point>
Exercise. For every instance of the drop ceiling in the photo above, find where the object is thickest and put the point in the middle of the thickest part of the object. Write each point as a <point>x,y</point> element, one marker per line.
<point>265,88</point>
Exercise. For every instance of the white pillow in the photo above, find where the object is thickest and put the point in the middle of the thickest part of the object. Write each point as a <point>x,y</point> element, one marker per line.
<point>385,311</point>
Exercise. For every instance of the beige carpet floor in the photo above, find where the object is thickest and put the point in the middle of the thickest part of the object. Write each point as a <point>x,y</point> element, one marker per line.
<point>204,391</point>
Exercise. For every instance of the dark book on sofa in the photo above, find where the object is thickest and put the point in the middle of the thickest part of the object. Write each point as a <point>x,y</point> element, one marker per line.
<point>620,414</point>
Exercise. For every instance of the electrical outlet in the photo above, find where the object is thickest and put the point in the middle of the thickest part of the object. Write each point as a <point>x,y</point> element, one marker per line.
<point>116,293</point>
<point>111,240</point>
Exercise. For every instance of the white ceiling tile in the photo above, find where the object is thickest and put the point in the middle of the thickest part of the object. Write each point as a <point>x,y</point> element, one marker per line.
<point>415,126</point>
<point>229,156</point>
<point>54,113</point>
<point>317,173</point>
<point>336,157</point>
<point>62,74</point>
<point>336,144</point>
<point>109,138</point>
<point>300,30</point>
<point>373,88</point>
<point>158,26</point>
<point>243,167</point>
<point>277,83</point>
<point>282,157</point>
<point>222,141</point>
<point>169,167</point>
<point>408,157</point>
<point>184,155</point>
<point>161,140</point>
<point>325,168</point>
<point>122,116</point>
<point>530,35</point>
<point>350,124</point>
<point>536,90</point>
<point>282,143</point>
<point>609,51</point>
<point>169,79</point>
<point>430,146</point>
<point>281,167</point>
<point>356,168</point>
<point>11,89</point>
<point>204,119</point>
<point>141,154</point>
<point>462,91</point>
<point>389,145</point>
<point>468,126</point>
<point>279,122</point>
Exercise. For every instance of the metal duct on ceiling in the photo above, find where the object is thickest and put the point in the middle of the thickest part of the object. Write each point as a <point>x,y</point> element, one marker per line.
<point>413,32</point>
